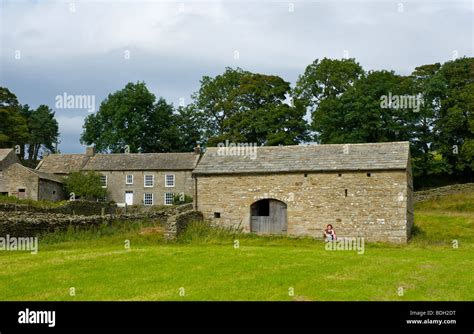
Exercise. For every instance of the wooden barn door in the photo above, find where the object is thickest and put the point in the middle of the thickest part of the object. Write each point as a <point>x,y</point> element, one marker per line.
<point>268,216</point>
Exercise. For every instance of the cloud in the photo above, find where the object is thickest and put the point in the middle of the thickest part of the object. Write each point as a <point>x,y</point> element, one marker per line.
<point>82,51</point>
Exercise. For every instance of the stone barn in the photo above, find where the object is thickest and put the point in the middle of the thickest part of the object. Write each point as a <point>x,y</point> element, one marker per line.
<point>26,183</point>
<point>363,190</point>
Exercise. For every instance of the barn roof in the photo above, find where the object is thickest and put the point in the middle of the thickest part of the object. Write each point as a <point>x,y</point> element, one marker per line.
<point>41,175</point>
<point>62,163</point>
<point>4,152</point>
<point>142,161</point>
<point>279,159</point>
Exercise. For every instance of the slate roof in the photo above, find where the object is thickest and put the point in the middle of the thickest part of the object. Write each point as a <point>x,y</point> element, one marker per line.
<point>41,175</point>
<point>300,158</point>
<point>142,161</point>
<point>47,176</point>
<point>62,163</point>
<point>4,152</point>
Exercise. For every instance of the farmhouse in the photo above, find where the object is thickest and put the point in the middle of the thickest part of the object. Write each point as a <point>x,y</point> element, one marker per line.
<point>363,190</point>
<point>132,178</point>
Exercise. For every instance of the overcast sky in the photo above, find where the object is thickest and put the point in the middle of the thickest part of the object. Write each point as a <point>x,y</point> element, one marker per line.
<point>49,48</point>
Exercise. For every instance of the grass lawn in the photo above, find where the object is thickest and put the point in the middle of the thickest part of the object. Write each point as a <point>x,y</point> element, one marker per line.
<point>100,268</point>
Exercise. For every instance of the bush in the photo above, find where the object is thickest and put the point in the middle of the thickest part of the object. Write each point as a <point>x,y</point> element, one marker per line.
<point>42,204</point>
<point>85,185</point>
<point>179,199</point>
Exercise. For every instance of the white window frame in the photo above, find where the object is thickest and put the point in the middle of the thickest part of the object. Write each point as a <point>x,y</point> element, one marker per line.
<point>172,199</point>
<point>152,199</point>
<point>166,180</point>
<point>126,179</point>
<point>106,180</point>
<point>152,180</point>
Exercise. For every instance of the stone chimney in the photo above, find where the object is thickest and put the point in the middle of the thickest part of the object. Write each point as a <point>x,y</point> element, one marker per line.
<point>197,149</point>
<point>90,151</point>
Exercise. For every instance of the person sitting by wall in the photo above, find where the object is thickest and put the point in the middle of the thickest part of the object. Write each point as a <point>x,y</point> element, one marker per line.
<point>329,233</point>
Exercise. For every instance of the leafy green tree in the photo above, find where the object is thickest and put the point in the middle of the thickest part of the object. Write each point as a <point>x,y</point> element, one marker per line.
<point>190,127</point>
<point>216,100</point>
<point>426,162</point>
<point>454,126</point>
<point>357,114</point>
<point>43,132</point>
<point>131,117</point>
<point>326,78</point>
<point>13,126</point>
<point>85,185</point>
<point>241,106</point>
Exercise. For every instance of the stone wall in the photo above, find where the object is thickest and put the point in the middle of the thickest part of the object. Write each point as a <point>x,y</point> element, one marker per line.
<point>83,208</point>
<point>116,185</point>
<point>435,193</point>
<point>18,177</point>
<point>375,207</point>
<point>34,223</point>
<point>50,191</point>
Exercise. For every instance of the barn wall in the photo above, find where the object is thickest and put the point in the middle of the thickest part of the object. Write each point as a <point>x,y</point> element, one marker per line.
<point>16,177</point>
<point>50,191</point>
<point>376,207</point>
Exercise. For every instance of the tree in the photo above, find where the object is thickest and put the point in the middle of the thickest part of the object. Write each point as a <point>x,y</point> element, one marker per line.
<point>85,185</point>
<point>13,126</point>
<point>43,131</point>
<point>426,161</point>
<point>130,117</point>
<point>215,101</point>
<point>454,126</point>
<point>358,115</point>
<point>249,107</point>
<point>325,79</point>
<point>190,127</point>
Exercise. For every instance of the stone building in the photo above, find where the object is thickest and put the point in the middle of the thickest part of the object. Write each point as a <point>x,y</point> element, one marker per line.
<point>7,158</point>
<point>63,164</point>
<point>132,178</point>
<point>363,190</point>
<point>26,183</point>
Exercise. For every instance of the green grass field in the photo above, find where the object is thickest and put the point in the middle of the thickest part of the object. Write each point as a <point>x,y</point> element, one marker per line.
<point>204,267</point>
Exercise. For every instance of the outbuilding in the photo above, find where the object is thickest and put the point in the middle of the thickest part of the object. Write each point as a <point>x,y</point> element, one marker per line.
<point>362,190</point>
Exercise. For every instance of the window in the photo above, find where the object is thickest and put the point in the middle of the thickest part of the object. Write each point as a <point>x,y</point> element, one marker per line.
<point>103,181</point>
<point>148,199</point>
<point>345,192</point>
<point>149,180</point>
<point>368,174</point>
<point>21,190</point>
<point>217,215</point>
<point>169,198</point>
<point>339,175</point>
<point>129,179</point>
<point>169,180</point>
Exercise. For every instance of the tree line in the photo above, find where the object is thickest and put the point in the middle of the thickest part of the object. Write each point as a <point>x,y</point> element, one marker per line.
<point>333,101</point>
<point>30,131</point>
